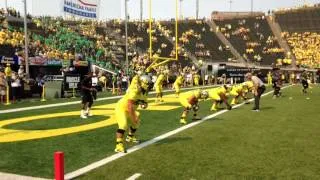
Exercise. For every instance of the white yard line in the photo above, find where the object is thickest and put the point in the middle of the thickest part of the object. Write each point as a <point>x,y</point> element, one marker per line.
<point>78,102</point>
<point>111,158</point>
<point>134,177</point>
<point>7,176</point>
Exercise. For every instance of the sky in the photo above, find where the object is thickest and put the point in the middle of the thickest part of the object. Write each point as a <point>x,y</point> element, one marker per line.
<point>161,9</point>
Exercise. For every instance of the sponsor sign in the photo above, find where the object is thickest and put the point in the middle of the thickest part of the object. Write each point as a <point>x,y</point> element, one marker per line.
<point>82,8</point>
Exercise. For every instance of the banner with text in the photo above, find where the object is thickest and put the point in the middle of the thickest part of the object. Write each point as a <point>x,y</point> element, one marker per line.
<point>82,8</point>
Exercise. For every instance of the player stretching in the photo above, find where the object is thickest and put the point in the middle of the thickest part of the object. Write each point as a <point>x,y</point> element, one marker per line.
<point>177,84</point>
<point>158,87</point>
<point>190,101</point>
<point>219,95</point>
<point>126,110</point>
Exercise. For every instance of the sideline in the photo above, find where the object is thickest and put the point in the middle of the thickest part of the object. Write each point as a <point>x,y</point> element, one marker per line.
<point>78,102</point>
<point>111,158</point>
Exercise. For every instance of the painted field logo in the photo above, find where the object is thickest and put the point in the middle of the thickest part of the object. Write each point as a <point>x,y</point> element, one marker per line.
<point>106,111</point>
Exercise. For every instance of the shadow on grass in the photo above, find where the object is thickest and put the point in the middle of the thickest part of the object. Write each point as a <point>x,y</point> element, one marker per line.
<point>217,119</point>
<point>173,140</point>
<point>266,108</point>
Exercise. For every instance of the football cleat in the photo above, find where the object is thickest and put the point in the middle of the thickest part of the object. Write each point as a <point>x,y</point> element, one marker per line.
<point>196,119</point>
<point>214,109</point>
<point>183,121</point>
<point>132,139</point>
<point>83,115</point>
<point>88,113</point>
<point>120,148</point>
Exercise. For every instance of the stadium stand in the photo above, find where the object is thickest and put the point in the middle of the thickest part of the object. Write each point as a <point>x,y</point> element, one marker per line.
<point>301,28</point>
<point>253,38</point>
<point>198,38</point>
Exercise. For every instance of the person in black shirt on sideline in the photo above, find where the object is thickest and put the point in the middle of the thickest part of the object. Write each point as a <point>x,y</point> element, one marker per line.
<point>87,97</point>
<point>304,81</point>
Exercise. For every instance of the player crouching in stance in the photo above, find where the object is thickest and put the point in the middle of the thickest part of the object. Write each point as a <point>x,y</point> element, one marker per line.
<point>126,110</point>
<point>219,95</point>
<point>177,84</point>
<point>190,101</point>
<point>238,91</point>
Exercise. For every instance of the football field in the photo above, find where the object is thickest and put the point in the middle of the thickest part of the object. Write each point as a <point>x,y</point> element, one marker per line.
<point>282,141</point>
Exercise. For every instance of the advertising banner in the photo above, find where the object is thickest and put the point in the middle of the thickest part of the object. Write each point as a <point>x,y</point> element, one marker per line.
<point>82,8</point>
<point>80,63</point>
<point>43,61</point>
<point>72,81</point>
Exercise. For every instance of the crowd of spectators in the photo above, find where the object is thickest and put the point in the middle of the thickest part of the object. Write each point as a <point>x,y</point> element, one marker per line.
<point>306,48</point>
<point>103,43</point>
<point>253,38</point>
<point>199,38</point>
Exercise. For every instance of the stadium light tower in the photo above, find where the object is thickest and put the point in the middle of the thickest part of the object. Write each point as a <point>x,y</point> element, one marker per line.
<point>141,10</point>
<point>181,13</point>
<point>251,7</point>
<point>26,55</point>
<point>126,31</point>
<point>197,9</point>
<point>230,7</point>
<point>6,4</point>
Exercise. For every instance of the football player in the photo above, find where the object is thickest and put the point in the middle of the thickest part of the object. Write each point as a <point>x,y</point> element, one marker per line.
<point>177,84</point>
<point>190,101</point>
<point>304,81</point>
<point>238,91</point>
<point>87,95</point>
<point>126,111</point>
<point>248,87</point>
<point>158,87</point>
<point>219,95</point>
<point>196,79</point>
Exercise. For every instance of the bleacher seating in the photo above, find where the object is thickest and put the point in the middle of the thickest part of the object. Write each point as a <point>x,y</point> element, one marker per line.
<point>253,39</point>
<point>300,20</point>
<point>198,38</point>
<point>301,29</point>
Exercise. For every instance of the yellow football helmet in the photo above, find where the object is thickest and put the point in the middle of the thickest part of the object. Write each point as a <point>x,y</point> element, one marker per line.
<point>204,94</point>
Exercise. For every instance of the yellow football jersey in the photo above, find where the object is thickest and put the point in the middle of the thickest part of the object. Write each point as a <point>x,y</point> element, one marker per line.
<point>197,77</point>
<point>218,90</point>
<point>179,80</point>
<point>134,82</point>
<point>237,88</point>
<point>190,98</point>
<point>133,93</point>
<point>159,80</point>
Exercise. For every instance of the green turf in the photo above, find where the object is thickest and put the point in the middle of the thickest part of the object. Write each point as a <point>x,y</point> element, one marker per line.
<point>280,142</point>
<point>35,157</point>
